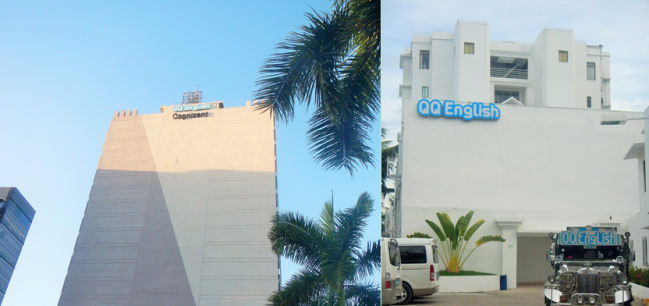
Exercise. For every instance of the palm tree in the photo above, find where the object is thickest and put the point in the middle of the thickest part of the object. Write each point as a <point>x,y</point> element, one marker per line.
<point>334,64</point>
<point>332,256</point>
<point>388,156</point>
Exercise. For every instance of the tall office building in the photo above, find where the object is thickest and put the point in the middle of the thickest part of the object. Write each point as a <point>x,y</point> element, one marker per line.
<point>179,211</point>
<point>16,217</point>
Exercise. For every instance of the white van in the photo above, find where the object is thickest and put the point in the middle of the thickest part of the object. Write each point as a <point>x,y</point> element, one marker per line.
<point>419,267</point>
<point>390,272</point>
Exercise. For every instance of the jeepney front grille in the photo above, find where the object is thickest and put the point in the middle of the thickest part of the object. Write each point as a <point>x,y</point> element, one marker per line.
<point>587,283</point>
<point>607,281</point>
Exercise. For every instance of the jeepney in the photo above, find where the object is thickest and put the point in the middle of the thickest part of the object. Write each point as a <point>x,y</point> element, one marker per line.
<point>590,267</point>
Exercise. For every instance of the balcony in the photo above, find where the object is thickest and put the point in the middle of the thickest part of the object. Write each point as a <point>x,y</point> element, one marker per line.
<point>509,67</point>
<point>509,73</point>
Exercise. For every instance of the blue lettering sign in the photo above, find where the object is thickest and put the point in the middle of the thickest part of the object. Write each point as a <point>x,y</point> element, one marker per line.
<point>450,109</point>
<point>588,238</point>
<point>190,107</point>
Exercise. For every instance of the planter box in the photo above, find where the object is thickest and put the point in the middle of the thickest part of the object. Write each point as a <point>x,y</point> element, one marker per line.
<point>478,283</point>
<point>640,292</point>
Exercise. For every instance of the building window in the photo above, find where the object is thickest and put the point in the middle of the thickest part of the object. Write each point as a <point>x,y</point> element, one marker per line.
<point>424,91</point>
<point>563,56</point>
<point>591,71</point>
<point>468,48</point>
<point>502,95</point>
<point>644,174</point>
<point>644,251</point>
<point>424,59</point>
<point>588,102</point>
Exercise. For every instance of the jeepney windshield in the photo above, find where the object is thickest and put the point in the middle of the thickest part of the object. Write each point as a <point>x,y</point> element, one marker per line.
<point>578,252</point>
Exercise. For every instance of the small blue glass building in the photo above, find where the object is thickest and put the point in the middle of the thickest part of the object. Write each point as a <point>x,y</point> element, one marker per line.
<point>16,217</point>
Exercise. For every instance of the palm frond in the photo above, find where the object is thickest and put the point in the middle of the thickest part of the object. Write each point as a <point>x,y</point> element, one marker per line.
<point>304,288</point>
<point>438,231</point>
<point>473,229</point>
<point>489,238</point>
<point>352,221</point>
<point>340,142</point>
<point>368,260</point>
<point>461,225</point>
<point>337,268</point>
<point>296,238</point>
<point>334,64</point>
<point>328,219</point>
<point>447,226</point>
<point>363,295</point>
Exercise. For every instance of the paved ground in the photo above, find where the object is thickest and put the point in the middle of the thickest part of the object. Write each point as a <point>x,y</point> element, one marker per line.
<point>523,295</point>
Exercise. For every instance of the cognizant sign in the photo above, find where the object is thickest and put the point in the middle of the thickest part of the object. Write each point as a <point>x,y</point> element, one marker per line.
<point>450,109</point>
<point>190,107</point>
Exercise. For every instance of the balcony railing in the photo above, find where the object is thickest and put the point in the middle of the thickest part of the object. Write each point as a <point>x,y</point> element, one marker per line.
<point>509,73</point>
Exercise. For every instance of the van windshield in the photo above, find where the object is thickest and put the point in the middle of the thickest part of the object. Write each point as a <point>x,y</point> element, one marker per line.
<point>393,250</point>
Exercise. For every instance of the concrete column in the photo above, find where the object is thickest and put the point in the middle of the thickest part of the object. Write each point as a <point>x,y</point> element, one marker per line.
<point>509,227</point>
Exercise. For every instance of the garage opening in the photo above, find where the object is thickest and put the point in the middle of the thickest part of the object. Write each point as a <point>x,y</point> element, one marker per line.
<point>532,268</point>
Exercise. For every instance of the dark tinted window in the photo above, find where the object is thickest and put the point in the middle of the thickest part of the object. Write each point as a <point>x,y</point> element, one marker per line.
<point>413,254</point>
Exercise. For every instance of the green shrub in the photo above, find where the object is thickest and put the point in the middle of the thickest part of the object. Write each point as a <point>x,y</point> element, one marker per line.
<point>639,276</point>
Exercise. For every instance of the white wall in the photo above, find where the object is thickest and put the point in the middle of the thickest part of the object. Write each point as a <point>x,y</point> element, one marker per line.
<point>472,70</point>
<point>552,167</point>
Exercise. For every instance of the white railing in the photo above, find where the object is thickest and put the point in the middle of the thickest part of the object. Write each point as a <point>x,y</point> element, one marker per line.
<point>509,73</point>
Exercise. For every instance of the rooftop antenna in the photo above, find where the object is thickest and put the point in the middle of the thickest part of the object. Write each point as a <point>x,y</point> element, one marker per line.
<point>193,97</point>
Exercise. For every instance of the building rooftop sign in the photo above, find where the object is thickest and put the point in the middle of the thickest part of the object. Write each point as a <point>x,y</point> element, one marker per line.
<point>190,107</point>
<point>450,109</point>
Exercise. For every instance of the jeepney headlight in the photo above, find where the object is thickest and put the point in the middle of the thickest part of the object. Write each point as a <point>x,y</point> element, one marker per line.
<point>591,300</point>
<point>580,300</point>
<point>558,258</point>
<point>620,259</point>
<point>624,280</point>
<point>551,278</point>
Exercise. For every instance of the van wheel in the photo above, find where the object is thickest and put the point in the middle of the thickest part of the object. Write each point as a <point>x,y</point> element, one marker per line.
<point>406,294</point>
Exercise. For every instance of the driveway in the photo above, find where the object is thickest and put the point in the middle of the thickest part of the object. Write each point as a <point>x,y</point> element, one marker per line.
<point>523,295</point>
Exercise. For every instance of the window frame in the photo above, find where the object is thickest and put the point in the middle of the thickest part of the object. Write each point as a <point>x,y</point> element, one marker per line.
<point>589,101</point>
<point>588,65</point>
<point>566,53</point>
<point>424,91</point>
<point>472,47</point>
<point>421,59</point>
<point>413,254</point>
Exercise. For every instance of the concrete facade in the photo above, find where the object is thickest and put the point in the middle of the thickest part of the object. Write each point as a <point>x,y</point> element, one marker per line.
<point>533,70</point>
<point>546,163</point>
<point>638,225</point>
<point>179,212</point>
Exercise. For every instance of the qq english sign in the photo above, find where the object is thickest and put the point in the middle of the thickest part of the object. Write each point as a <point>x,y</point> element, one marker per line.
<point>450,109</point>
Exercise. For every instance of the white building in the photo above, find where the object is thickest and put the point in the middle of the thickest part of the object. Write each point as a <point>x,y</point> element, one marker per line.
<point>638,225</point>
<point>465,65</point>
<point>542,162</point>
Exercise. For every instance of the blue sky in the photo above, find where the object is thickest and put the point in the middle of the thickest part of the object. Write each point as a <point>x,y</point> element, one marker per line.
<point>66,67</point>
<point>620,26</point>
